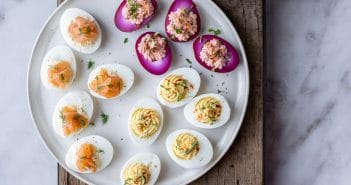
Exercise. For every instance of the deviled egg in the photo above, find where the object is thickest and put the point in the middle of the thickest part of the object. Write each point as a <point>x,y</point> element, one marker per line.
<point>73,113</point>
<point>58,68</point>
<point>141,169</point>
<point>215,54</point>
<point>145,122</point>
<point>189,148</point>
<point>153,52</point>
<point>207,111</point>
<point>182,21</point>
<point>132,15</point>
<point>178,87</point>
<point>110,81</point>
<point>89,154</point>
<point>80,30</point>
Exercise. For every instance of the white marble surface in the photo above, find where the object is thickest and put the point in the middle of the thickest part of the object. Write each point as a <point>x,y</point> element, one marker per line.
<point>308,87</point>
<point>23,158</point>
<point>307,90</point>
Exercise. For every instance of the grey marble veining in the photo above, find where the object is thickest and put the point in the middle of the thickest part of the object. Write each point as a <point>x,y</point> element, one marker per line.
<point>307,92</point>
<point>23,158</point>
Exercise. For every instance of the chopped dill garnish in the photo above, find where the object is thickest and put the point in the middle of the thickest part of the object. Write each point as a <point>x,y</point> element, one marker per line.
<point>90,64</point>
<point>215,31</point>
<point>104,117</point>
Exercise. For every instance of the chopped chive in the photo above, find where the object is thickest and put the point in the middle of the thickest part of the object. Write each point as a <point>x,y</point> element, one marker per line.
<point>188,60</point>
<point>125,40</point>
<point>215,31</point>
<point>104,117</point>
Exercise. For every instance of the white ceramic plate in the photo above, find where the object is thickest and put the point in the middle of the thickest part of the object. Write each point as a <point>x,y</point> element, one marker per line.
<point>235,87</point>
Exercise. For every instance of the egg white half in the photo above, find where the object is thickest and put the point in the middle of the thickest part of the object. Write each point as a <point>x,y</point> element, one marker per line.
<point>81,99</point>
<point>122,71</point>
<point>147,159</point>
<point>223,119</point>
<point>67,17</point>
<point>204,155</point>
<point>193,78</point>
<point>147,103</point>
<point>54,56</point>
<point>100,143</point>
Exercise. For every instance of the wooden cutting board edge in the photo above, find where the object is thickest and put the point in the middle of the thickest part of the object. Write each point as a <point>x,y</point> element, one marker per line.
<point>243,163</point>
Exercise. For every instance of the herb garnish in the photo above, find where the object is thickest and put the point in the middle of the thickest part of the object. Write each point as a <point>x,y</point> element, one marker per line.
<point>62,77</point>
<point>62,117</point>
<point>100,151</point>
<point>215,31</point>
<point>188,60</point>
<point>125,40</point>
<point>104,117</point>
<point>178,30</point>
<point>90,63</point>
<point>148,25</point>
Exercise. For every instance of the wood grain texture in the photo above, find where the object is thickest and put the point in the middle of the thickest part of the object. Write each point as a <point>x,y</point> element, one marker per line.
<point>243,163</point>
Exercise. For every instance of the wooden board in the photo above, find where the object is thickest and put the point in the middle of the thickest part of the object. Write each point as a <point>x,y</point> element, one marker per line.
<point>243,163</point>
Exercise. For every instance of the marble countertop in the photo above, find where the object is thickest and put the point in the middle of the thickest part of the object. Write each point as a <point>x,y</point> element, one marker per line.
<point>308,81</point>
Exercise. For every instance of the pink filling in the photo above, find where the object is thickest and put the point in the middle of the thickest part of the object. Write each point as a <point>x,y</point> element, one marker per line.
<point>137,10</point>
<point>182,24</point>
<point>214,54</point>
<point>152,47</point>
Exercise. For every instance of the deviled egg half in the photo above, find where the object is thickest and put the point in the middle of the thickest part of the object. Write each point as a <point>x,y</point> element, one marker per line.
<point>58,68</point>
<point>89,154</point>
<point>141,169</point>
<point>110,81</point>
<point>145,122</point>
<point>178,87</point>
<point>73,113</point>
<point>132,15</point>
<point>189,148</point>
<point>207,111</point>
<point>80,30</point>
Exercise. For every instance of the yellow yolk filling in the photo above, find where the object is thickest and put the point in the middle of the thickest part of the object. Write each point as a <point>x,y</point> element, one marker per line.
<point>175,88</point>
<point>145,122</point>
<point>208,110</point>
<point>137,174</point>
<point>186,146</point>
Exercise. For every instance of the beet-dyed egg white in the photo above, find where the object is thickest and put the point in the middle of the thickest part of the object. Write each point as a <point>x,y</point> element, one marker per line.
<point>58,68</point>
<point>207,111</point>
<point>215,54</point>
<point>145,122</point>
<point>110,81</point>
<point>132,15</point>
<point>73,113</point>
<point>142,168</point>
<point>178,87</point>
<point>153,52</point>
<point>189,148</point>
<point>89,154</point>
<point>80,30</point>
<point>182,21</point>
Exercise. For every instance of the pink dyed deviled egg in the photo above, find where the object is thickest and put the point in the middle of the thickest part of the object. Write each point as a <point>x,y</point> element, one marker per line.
<point>215,54</point>
<point>132,15</point>
<point>182,21</point>
<point>153,52</point>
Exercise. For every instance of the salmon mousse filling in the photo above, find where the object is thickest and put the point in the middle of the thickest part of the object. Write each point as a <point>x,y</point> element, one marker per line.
<point>153,47</point>
<point>136,11</point>
<point>214,54</point>
<point>183,24</point>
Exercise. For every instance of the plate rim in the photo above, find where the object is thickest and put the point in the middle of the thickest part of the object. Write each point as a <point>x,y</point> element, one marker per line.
<point>232,138</point>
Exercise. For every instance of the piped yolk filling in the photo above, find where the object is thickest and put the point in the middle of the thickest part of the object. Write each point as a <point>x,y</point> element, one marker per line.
<point>72,120</point>
<point>186,146</point>
<point>137,174</point>
<point>60,74</point>
<point>87,157</point>
<point>83,31</point>
<point>107,85</point>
